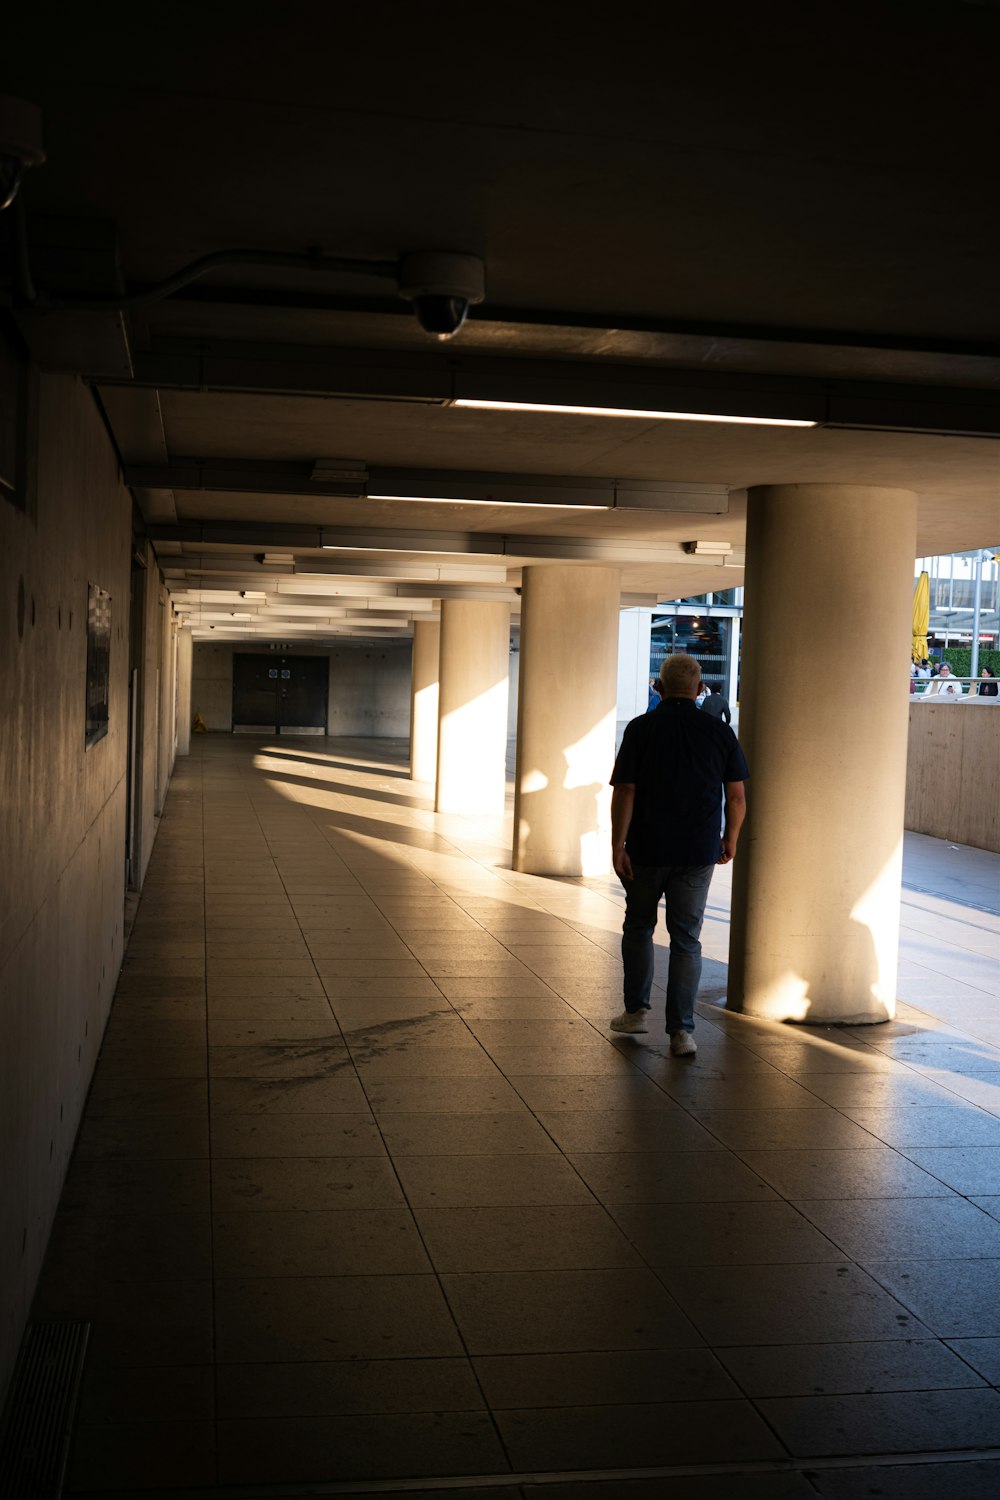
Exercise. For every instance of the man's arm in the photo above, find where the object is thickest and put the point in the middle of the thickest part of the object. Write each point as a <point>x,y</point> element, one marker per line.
<point>736,811</point>
<point>622,803</point>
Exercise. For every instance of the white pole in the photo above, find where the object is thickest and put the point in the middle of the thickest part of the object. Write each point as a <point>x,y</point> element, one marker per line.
<point>976,612</point>
<point>732,686</point>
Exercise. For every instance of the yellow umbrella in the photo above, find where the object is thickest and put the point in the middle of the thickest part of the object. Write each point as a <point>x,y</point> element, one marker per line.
<point>921,616</point>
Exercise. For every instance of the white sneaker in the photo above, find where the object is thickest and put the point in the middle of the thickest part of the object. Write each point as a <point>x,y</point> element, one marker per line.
<point>630,1021</point>
<point>683,1044</point>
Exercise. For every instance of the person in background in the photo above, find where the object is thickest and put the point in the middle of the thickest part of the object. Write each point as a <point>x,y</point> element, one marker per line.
<point>989,687</point>
<point>702,694</point>
<point>655,695</point>
<point>945,685</point>
<point>716,705</point>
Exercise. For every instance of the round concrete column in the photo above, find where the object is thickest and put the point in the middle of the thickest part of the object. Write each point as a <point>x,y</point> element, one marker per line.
<point>823,720</point>
<point>424,700</point>
<point>185,650</point>
<point>567,700</point>
<point>472,707</point>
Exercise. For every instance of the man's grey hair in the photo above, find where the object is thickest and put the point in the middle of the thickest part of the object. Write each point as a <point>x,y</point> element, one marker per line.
<point>679,674</point>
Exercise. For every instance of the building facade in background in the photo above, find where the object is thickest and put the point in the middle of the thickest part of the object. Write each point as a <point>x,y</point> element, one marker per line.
<point>964,592</point>
<point>964,600</point>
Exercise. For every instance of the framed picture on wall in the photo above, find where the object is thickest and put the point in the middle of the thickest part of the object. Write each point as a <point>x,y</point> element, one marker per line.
<point>98,662</point>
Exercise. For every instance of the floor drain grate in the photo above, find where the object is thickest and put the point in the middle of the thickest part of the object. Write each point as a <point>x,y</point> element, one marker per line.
<point>38,1418</point>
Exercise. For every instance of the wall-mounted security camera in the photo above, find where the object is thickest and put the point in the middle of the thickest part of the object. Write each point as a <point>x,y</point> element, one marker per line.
<point>442,286</point>
<point>20,144</point>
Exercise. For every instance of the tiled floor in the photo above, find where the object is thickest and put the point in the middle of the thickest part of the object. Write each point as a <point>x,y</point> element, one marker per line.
<point>366,1189</point>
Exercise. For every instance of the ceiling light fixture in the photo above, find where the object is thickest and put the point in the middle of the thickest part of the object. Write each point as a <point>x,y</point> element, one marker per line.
<point>628,411</point>
<point>402,549</point>
<point>456,500</point>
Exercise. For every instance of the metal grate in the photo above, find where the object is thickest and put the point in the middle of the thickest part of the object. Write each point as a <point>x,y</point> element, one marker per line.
<point>38,1417</point>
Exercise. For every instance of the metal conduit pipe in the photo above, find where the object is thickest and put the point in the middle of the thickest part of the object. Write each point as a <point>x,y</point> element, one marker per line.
<point>273,259</point>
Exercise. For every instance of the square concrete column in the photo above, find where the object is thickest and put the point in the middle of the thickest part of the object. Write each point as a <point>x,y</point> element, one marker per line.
<point>634,632</point>
<point>424,700</point>
<point>567,706</point>
<point>472,707</point>
<point>185,660</point>
<point>167,703</point>
<point>816,883</point>
<point>185,657</point>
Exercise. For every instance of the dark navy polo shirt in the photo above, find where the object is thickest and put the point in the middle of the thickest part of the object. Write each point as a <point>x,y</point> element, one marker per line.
<point>677,757</point>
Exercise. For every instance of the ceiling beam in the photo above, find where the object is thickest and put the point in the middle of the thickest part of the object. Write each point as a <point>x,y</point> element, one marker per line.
<point>264,476</point>
<point>299,539</point>
<point>189,577</point>
<point>271,537</point>
<point>491,315</point>
<point>195,365</point>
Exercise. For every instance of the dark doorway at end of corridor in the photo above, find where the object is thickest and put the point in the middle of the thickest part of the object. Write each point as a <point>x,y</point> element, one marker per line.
<point>275,694</point>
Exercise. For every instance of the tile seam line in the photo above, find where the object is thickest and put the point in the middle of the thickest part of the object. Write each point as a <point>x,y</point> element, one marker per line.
<point>208,1123</point>
<point>432,1269</point>
<point>437,1274</point>
<point>416,1485</point>
<point>923,890</point>
<point>437,1271</point>
<point>432,818</point>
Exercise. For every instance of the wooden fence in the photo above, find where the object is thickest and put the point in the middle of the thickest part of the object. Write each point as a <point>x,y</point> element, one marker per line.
<point>953,772</point>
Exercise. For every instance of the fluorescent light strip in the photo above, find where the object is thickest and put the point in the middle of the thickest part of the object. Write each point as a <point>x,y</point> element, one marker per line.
<point>453,500</point>
<point>399,548</point>
<point>624,411</point>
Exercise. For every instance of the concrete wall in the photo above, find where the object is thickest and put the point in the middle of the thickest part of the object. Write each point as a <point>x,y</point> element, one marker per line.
<point>953,772</point>
<point>212,684</point>
<point>62,820</point>
<point>369,690</point>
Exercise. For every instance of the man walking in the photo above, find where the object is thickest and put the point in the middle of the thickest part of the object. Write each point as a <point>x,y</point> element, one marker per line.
<point>716,705</point>
<point>667,836</point>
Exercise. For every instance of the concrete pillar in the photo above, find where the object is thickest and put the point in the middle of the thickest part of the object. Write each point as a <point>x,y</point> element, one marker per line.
<point>185,658</point>
<point>165,710</point>
<point>566,719</point>
<point>472,707</point>
<point>424,700</point>
<point>816,883</point>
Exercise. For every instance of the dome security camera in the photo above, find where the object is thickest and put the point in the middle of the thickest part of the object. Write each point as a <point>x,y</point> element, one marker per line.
<point>442,285</point>
<point>20,144</point>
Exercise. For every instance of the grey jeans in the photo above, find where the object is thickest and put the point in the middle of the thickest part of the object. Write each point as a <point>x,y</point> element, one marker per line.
<point>685,892</point>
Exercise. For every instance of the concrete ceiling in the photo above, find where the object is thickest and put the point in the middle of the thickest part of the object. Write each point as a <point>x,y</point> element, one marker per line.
<point>787,203</point>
